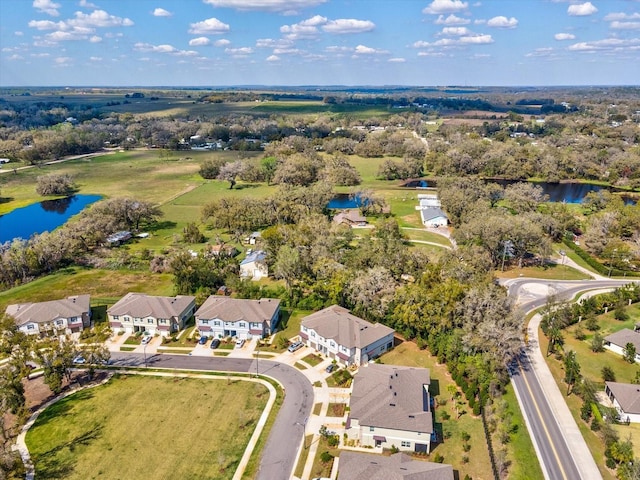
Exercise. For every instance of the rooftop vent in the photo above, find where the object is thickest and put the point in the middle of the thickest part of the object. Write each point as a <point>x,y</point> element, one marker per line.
<point>392,404</point>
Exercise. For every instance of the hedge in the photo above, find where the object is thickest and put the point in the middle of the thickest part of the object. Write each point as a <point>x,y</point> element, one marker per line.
<point>596,265</point>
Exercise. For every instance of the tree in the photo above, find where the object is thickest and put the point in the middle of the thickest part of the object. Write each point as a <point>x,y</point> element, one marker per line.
<point>597,343</point>
<point>524,197</point>
<point>229,172</point>
<point>287,266</point>
<point>556,338</point>
<point>608,375</point>
<point>192,234</point>
<point>210,169</point>
<point>268,166</point>
<point>629,352</point>
<point>56,357</point>
<point>55,184</point>
<point>571,370</point>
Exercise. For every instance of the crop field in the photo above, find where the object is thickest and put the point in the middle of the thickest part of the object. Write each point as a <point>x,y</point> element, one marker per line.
<point>138,427</point>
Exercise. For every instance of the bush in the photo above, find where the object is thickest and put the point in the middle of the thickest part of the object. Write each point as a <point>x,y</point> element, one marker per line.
<point>611,463</point>
<point>438,458</point>
<point>333,440</point>
<point>445,416</point>
<point>465,436</point>
<point>465,459</point>
<point>608,375</point>
<point>466,447</point>
<point>326,457</point>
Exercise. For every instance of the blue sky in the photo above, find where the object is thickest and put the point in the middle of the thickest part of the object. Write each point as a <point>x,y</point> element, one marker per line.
<point>319,42</point>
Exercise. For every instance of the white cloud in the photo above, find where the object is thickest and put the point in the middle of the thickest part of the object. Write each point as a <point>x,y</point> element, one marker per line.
<point>297,30</point>
<point>211,26</point>
<point>473,39</point>
<point>397,60</point>
<point>445,6</point>
<point>581,9</point>
<point>620,16</point>
<point>456,31</point>
<point>239,52</point>
<point>608,44</point>
<point>314,21</point>
<point>95,39</point>
<point>266,5</point>
<point>63,60</point>
<point>47,25</point>
<point>47,6</point>
<point>95,59</point>
<point>625,25</point>
<point>273,58</point>
<point>15,56</point>
<point>451,20</point>
<point>364,50</point>
<point>164,48</point>
<point>161,12</point>
<point>199,42</point>
<point>18,33</point>
<point>40,55</point>
<point>502,22</point>
<point>99,18</point>
<point>348,25</point>
<point>336,48</point>
<point>564,36</point>
<point>223,42</point>
<point>87,4</point>
<point>541,52</point>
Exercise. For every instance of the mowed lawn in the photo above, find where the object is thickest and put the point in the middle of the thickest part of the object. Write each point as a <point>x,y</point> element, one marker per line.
<point>137,427</point>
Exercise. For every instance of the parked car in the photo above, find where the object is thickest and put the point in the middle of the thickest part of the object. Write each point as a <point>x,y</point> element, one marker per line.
<point>331,367</point>
<point>203,340</point>
<point>295,346</point>
<point>215,343</point>
<point>239,343</point>
<point>79,360</point>
<point>146,339</point>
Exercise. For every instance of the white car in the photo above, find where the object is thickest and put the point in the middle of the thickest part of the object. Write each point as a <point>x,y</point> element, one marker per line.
<point>239,343</point>
<point>146,339</point>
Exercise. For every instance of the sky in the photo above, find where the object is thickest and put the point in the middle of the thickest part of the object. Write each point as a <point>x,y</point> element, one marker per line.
<point>214,43</point>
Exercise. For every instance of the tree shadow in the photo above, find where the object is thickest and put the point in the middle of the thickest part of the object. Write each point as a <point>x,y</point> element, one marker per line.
<point>242,186</point>
<point>62,407</point>
<point>49,465</point>
<point>434,387</point>
<point>6,199</point>
<point>164,225</point>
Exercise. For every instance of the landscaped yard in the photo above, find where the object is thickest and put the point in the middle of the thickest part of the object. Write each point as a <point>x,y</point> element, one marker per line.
<point>138,427</point>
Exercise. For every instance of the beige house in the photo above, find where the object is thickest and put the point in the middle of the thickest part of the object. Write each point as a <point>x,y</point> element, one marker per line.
<point>222,316</point>
<point>254,266</point>
<point>399,466</point>
<point>625,397</point>
<point>137,312</point>
<point>391,406</point>
<point>69,315</point>
<point>353,218</point>
<point>348,339</point>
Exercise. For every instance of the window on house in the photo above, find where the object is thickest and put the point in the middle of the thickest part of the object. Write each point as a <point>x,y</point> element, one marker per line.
<point>333,344</point>
<point>127,319</point>
<point>313,334</point>
<point>73,319</point>
<point>389,345</point>
<point>216,324</point>
<point>149,320</point>
<point>372,429</point>
<point>204,321</point>
<point>115,317</point>
<point>162,320</point>
<point>241,325</point>
<point>59,322</point>
<point>31,326</point>
<point>405,444</point>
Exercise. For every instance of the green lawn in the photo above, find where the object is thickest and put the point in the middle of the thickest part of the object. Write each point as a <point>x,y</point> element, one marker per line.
<point>549,272</point>
<point>425,236</point>
<point>138,427</point>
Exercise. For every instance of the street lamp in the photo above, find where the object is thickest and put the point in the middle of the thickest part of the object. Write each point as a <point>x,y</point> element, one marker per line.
<point>144,349</point>
<point>563,254</point>
<point>615,250</point>
<point>257,357</point>
<point>304,433</point>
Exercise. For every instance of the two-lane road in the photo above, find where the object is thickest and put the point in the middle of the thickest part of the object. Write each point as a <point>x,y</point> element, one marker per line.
<point>279,454</point>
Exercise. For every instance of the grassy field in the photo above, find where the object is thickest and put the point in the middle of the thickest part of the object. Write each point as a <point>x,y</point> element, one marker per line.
<point>549,272</point>
<point>479,465</point>
<point>105,432</point>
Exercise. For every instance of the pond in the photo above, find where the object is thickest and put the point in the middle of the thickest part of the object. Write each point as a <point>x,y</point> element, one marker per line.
<point>344,200</point>
<point>45,216</point>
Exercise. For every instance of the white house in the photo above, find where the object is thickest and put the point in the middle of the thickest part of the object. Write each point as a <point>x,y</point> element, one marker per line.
<point>391,406</point>
<point>626,400</point>
<point>221,316</point>
<point>349,340</point>
<point>430,211</point>
<point>617,341</point>
<point>137,312</point>
<point>68,315</point>
<point>254,266</point>
<point>399,466</point>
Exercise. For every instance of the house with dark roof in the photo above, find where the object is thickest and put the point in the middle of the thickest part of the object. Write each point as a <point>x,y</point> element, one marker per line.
<point>138,312</point>
<point>399,466</point>
<point>626,400</point>
<point>68,315</point>
<point>222,316</point>
<point>348,339</point>
<point>351,217</point>
<point>391,406</point>
<point>617,341</point>
<point>254,266</point>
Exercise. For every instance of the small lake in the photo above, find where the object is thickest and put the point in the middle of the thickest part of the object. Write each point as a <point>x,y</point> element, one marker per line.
<point>45,216</point>
<point>344,200</point>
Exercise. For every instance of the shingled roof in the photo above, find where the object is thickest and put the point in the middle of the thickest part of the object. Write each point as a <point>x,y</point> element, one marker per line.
<point>140,305</point>
<point>43,312</point>
<point>392,397</point>
<point>236,309</point>
<point>338,324</point>
<point>399,466</point>
<point>627,395</point>
<point>624,336</point>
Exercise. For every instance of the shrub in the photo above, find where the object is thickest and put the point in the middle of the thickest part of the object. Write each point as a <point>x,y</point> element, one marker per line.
<point>579,334</point>
<point>438,458</point>
<point>466,447</point>
<point>465,436</point>
<point>465,459</point>
<point>597,343</point>
<point>326,457</point>
<point>333,440</point>
<point>445,416</point>
<point>394,449</point>
<point>608,375</point>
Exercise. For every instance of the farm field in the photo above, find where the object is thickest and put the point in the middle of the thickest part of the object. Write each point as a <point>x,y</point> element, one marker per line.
<point>105,432</point>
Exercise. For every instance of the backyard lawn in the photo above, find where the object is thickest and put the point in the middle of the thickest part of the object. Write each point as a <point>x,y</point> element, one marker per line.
<point>138,427</point>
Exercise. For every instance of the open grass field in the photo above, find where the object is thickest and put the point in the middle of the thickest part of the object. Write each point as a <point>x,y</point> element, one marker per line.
<point>138,427</point>
<point>548,272</point>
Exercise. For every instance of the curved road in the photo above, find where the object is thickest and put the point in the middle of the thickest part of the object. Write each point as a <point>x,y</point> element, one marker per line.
<point>279,453</point>
<point>560,451</point>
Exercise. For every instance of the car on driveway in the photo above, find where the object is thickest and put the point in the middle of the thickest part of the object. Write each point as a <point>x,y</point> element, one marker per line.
<point>79,360</point>
<point>215,343</point>
<point>203,340</point>
<point>146,339</point>
<point>295,346</point>
<point>331,367</point>
<point>239,343</point>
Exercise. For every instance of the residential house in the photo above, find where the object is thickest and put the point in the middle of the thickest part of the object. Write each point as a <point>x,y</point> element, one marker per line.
<point>138,312</point>
<point>617,341</point>
<point>221,249</point>
<point>399,466</point>
<point>119,238</point>
<point>391,406</point>
<point>352,218</point>
<point>626,400</point>
<point>349,340</point>
<point>68,315</point>
<point>430,211</point>
<point>254,266</point>
<point>221,316</point>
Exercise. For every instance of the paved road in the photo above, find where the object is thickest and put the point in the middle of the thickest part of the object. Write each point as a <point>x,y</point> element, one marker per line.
<point>279,453</point>
<point>559,458</point>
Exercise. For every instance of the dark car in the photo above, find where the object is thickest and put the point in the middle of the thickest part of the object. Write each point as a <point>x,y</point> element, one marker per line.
<point>215,343</point>
<point>331,367</point>
<point>203,340</point>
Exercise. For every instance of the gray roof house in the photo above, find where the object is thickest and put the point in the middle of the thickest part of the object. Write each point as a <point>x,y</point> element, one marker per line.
<point>254,266</point>
<point>399,466</point>
<point>617,341</point>
<point>68,315</point>
<point>350,218</point>
<point>222,316</point>
<point>626,399</point>
<point>391,406</point>
<point>138,312</point>
<point>335,332</point>
<point>433,217</point>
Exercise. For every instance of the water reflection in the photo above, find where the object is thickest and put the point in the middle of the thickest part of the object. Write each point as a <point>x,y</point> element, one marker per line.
<point>57,206</point>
